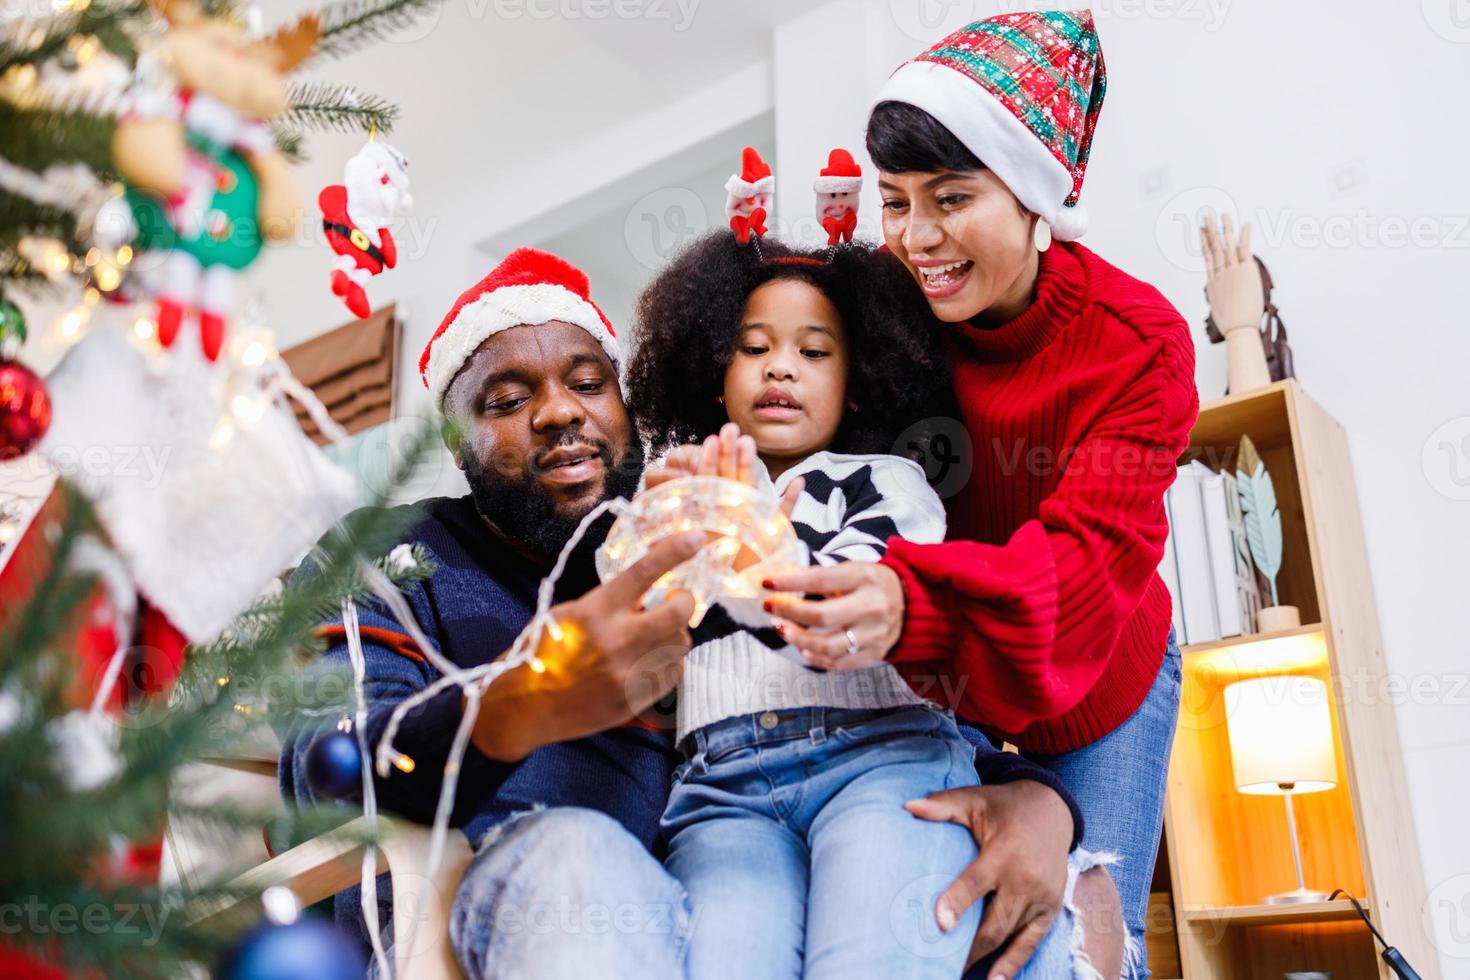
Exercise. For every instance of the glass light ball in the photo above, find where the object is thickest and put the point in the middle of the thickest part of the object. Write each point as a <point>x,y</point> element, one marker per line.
<point>750,539</point>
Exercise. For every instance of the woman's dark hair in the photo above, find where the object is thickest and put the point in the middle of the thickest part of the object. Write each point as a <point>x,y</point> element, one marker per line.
<point>905,139</point>
<point>687,326</point>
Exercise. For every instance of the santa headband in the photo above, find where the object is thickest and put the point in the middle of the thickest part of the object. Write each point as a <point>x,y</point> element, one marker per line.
<point>530,287</point>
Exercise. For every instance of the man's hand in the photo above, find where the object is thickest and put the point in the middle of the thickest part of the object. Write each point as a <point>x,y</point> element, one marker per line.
<point>1024,831</point>
<point>612,661</point>
<point>860,596</point>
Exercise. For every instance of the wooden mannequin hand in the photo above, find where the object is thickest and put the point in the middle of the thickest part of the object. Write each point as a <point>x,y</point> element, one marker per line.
<point>1233,283</point>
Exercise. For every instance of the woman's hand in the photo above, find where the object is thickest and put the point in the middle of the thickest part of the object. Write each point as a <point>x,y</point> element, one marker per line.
<point>729,454</point>
<point>1024,830</point>
<point>854,624</point>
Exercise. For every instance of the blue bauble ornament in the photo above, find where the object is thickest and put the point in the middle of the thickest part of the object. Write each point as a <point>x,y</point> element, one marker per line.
<point>307,949</point>
<point>334,765</point>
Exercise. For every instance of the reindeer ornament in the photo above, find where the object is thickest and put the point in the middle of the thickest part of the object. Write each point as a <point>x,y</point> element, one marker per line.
<point>206,186</point>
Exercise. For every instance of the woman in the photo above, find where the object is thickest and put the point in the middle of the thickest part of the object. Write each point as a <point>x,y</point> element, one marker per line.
<point>1076,384</point>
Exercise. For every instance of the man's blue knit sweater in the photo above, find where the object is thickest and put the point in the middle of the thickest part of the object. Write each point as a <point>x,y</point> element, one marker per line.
<point>480,596</point>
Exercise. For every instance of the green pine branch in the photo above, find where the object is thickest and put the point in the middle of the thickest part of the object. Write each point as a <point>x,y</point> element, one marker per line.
<point>62,132</point>
<point>347,25</point>
<point>106,21</point>
<point>289,143</point>
<point>20,216</point>
<point>326,106</point>
<point>68,833</point>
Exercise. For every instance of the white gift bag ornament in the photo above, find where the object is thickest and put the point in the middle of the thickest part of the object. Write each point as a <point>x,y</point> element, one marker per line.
<point>204,523</point>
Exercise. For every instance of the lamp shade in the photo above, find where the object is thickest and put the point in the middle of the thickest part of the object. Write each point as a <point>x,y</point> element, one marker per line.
<point>1280,735</point>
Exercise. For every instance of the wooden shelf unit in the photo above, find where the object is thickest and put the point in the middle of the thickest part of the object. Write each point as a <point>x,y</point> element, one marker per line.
<point>1226,851</point>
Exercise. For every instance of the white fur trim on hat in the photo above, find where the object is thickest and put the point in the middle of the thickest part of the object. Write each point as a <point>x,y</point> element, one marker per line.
<point>737,187</point>
<point>991,131</point>
<point>837,185</point>
<point>503,308</point>
<point>1070,224</point>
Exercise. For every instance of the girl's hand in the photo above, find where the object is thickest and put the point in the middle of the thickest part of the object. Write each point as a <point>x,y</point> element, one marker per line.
<point>729,454</point>
<point>855,623</point>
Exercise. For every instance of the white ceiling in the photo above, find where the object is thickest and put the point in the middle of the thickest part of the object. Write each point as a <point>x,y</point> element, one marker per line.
<point>481,81</point>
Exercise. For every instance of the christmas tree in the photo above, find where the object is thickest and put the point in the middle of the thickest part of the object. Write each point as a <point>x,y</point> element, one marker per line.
<point>141,624</point>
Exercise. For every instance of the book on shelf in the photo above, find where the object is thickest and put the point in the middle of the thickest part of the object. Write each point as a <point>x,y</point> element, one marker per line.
<point>1191,552</point>
<point>1236,597</point>
<point>1169,571</point>
<point>1207,564</point>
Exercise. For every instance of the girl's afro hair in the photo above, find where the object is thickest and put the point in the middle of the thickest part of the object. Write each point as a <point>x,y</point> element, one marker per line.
<point>687,325</point>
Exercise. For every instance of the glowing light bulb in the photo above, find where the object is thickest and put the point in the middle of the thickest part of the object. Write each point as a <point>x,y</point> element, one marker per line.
<point>248,410</point>
<point>145,329</point>
<point>402,762</point>
<point>70,326</point>
<point>537,665</point>
<point>255,353</point>
<point>125,255</point>
<point>223,432</point>
<point>108,277</point>
<point>751,539</point>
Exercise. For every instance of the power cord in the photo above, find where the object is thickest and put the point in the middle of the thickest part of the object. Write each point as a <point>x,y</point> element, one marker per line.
<point>1391,956</point>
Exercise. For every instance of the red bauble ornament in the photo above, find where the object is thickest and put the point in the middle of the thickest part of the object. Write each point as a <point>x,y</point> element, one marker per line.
<point>25,409</point>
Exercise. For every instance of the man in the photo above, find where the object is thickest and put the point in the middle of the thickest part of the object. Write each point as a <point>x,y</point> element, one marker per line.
<point>562,791</point>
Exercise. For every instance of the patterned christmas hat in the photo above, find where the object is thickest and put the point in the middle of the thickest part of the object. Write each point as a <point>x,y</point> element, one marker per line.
<point>841,175</point>
<point>1023,92</point>
<point>528,288</point>
<point>754,176</point>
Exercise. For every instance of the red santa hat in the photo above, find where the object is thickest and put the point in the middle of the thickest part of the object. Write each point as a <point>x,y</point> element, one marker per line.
<point>1023,92</point>
<point>754,176</point>
<point>841,175</point>
<point>530,287</point>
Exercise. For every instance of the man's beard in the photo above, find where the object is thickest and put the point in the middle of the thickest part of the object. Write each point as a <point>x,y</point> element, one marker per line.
<point>528,513</point>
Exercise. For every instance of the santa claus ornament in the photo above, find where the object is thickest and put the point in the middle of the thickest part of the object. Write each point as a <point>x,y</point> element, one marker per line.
<point>355,216</point>
<point>750,193</point>
<point>837,187</point>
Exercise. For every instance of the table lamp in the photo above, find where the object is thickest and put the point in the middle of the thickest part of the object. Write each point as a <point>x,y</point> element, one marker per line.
<point>1280,732</point>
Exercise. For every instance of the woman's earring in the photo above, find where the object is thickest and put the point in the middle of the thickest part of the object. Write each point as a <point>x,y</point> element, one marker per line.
<point>720,399</point>
<point>1041,234</point>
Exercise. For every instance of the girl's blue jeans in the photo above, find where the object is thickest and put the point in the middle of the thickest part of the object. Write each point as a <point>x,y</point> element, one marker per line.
<point>787,830</point>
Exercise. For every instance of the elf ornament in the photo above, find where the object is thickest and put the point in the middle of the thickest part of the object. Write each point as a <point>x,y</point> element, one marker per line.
<point>750,194</point>
<point>356,215</point>
<point>25,404</point>
<point>206,186</point>
<point>837,187</point>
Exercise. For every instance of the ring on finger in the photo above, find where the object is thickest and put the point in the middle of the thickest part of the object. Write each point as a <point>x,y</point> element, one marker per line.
<point>852,644</point>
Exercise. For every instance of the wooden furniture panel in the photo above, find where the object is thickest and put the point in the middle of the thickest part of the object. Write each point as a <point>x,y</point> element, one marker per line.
<point>1226,851</point>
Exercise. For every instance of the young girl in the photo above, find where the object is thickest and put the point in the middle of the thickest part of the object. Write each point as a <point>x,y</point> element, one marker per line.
<point>786,823</point>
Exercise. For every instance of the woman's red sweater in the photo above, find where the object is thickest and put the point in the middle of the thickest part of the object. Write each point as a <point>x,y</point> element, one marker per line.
<point>1043,614</point>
